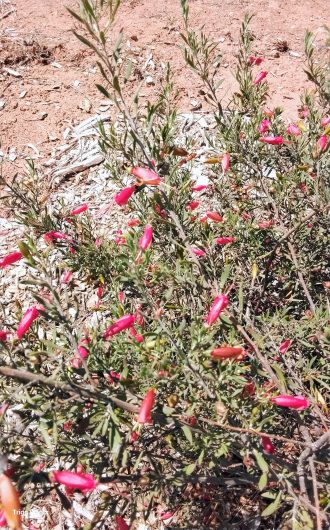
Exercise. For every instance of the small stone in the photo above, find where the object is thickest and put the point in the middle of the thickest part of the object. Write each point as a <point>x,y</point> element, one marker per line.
<point>134,37</point>
<point>195,105</point>
<point>149,80</point>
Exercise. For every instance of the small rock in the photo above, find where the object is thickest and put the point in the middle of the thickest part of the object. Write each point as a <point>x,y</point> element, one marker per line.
<point>12,72</point>
<point>149,80</point>
<point>2,104</point>
<point>294,54</point>
<point>85,105</point>
<point>134,37</point>
<point>195,105</point>
<point>23,93</point>
<point>55,64</point>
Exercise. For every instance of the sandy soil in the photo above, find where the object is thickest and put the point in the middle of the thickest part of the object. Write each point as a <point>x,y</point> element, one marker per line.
<point>57,75</point>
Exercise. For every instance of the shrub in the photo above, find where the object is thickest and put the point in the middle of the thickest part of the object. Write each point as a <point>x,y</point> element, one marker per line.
<point>195,387</point>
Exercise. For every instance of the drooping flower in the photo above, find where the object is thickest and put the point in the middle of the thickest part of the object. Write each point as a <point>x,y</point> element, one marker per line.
<point>292,402</point>
<point>123,196</point>
<point>145,176</point>
<point>136,335</point>
<point>260,77</point>
<point>198,251</point>
<point>29,317</point>
<point>284,346</point>
<point>220,303</point>
<point>264,125</point>
<point>192,205</point>
<point>66,277</point>
<point>133,222</point>
<point>121,523</point>
<point>325,121</point>
<point>272,140</point>
<point>145,240</point>
<point>10,504</point>
<point>164,516</point>
<point>225,162</point>
<point>214,216</point>
<point>79,209</point>
<point>10,259</point>
<point>267,445</point>
<point>70,479</point>
<point>3,520</point>
<point>125,322</point>
<point>255,60</point>
<point>120,239</point>
<point>293,130</point>
<point>224,240</point>
<point>322,143</point>
<point>146,407</point>
<point>228,352</point>
<point>199,187</point>
<point>51,235</point>
<point>3,335</point>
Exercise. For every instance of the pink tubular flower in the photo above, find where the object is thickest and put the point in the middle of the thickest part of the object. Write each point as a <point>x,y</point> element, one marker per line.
<point>198,251</point>
<point>322,143</point>
<point>264,125</point>
<point>272,140</point>
<point>225,162</point>
<point>28,318</point>
<point>292,402</point>
<point>200,187</point>
<point>224,240</point>
<point>121,523</point>
<point>255,60</point>
<point>145,176</point>
<point>325,121</point>
<point>99,291</point>
<point>145,240</point>
<point>260,77</point>
<point>79,209</point>
<point>3,520</point>
<point>220,303</point>
<point>125,322</point>
<point>267,445</point>
<point>50,236</point>
<point>284,346</point>
<point>146,407</point>
<point>266,224</point>
<point>66,277</point>
<point>10,259</point>
<point>166,515</point>
<point>124,195</point>
<point>78,481</point>
<point>293,130</point>
<point>192,205</point>
<point>134,333</point>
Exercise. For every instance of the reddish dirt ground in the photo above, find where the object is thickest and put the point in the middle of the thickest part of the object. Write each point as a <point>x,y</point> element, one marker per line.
<point>57,73</point>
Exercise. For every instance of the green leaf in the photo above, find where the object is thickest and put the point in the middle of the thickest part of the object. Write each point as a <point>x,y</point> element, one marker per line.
<point>103,91</point>
<point>263,481</point>
<point>190,469</point>
<point>187,432</point>
<point>261,461</point>
<point>273,506</point>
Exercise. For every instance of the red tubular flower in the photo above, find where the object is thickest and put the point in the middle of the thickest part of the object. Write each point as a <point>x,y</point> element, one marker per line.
<point>3,520</point>
<point>198,251</point>
<point>293,130</point>
<point>267,445</point>
<point>145,240</point>
<point>255,60</point>
<point>266,224</point>
<point>166,515</point>
<point>28,318</point>
<point>260,78</point>
<point>99,291</point>
<point>51,235</point>
<point>146,407</point>
<point>224,240</point>
<point>79,209</point>
<point>284,346</point>
<point>322,143</point>
<point>218,354</point>
<point>200,187</point>
<point>264,126</point>
<point>192,205</point>
<point>214,216</point>
<point>125,322</point>
<point>133,222</point>
<point>78,481</point>
<point>10,259</point>
<point>292,402</point>
<point>145,176</point>
<point>121,523</point>
<point>124,195</point>
<point>138,338</point>
<point>3,335</point>
<point>220,303</point>
<point>9,500</point>
<point>325,121</point>
<point>272,140</point>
